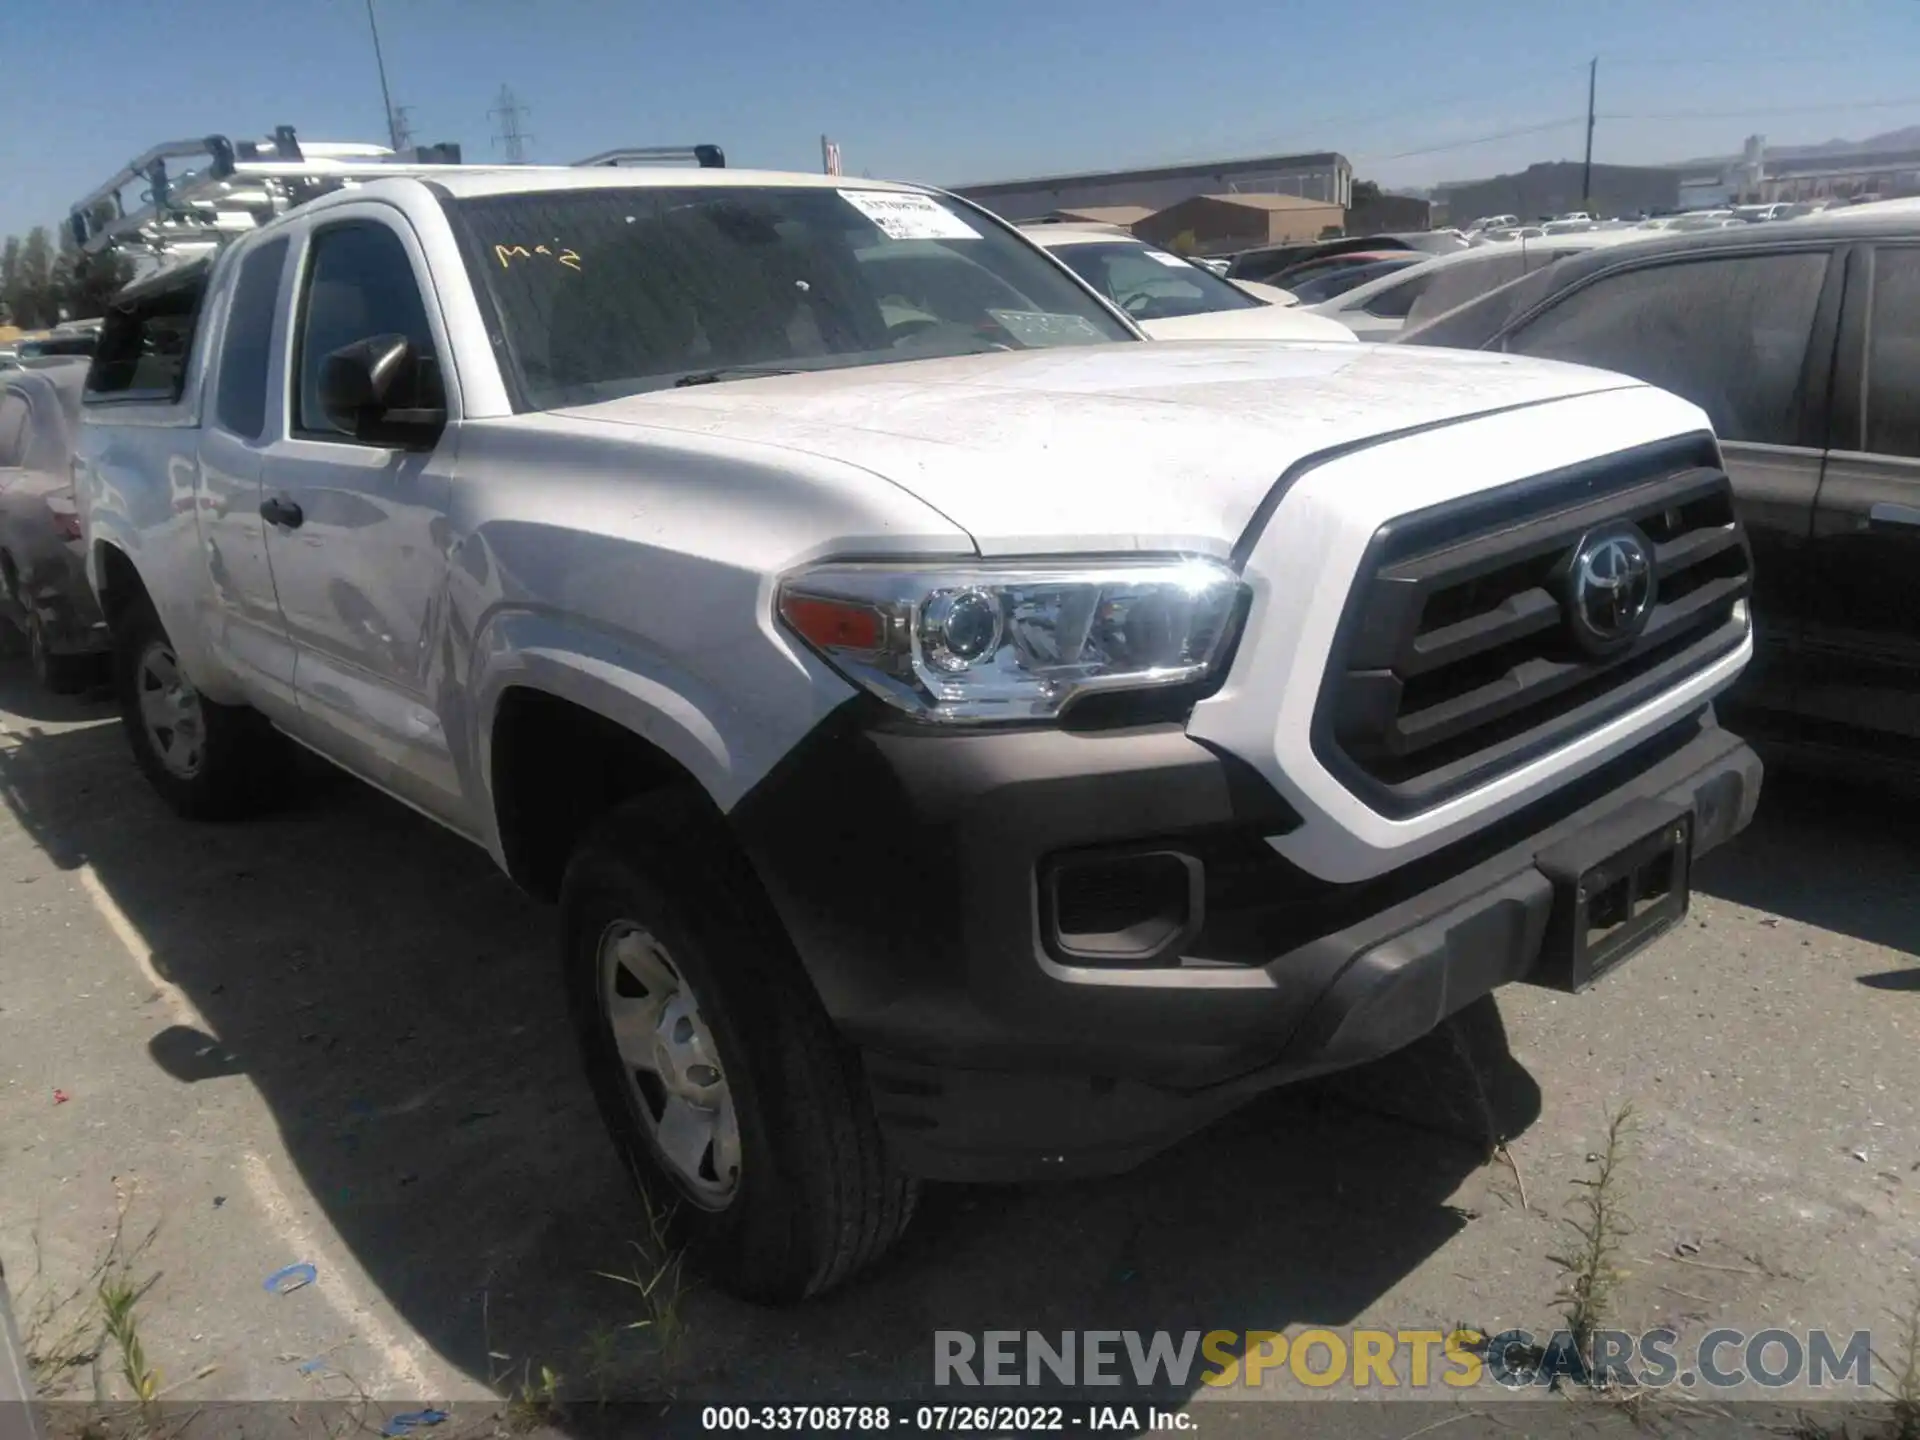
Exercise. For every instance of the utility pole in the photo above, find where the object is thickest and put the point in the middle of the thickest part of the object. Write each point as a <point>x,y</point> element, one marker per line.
<point>511,138</point>
<point>386,99</point>
<point>1586,173</point>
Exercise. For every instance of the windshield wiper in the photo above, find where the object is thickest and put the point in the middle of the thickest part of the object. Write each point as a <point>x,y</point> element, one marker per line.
<point>732,372</point>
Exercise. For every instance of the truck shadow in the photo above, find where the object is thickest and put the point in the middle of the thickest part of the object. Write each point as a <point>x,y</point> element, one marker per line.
<point>1834,854</point>
<point>391,996</point>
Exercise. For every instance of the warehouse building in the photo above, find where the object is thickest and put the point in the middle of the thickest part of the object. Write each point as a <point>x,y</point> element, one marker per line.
<point>1223,224</point>
<point>1325,177</point>
<point>1556,187</point>
<point>1827,172</point>
<point>1123,216</point>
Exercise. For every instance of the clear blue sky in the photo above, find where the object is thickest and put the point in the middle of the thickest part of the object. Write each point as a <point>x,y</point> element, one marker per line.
<point>955,92</point>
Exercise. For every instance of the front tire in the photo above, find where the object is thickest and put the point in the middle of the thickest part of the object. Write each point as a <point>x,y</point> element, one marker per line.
<point>208,761</point>
<point>728,1093</point>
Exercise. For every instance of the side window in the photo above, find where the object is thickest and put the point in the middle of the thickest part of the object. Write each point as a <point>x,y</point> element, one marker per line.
<point>1893,354</point>
<point>13,429</point>
<point>145,343</point>
<point>1729,334</point>
<point>241,404</point>
<point>1394,302</point>
<point>1455,284</point>
<point>360,284</point>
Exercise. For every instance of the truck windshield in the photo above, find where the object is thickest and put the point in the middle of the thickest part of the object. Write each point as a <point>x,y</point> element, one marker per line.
<point>601,293</point>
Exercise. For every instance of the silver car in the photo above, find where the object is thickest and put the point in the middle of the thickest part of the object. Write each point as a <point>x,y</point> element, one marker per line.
<point>43,585</point>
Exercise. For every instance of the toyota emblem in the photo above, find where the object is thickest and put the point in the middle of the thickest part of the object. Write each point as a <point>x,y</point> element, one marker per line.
<point>1610,588</point>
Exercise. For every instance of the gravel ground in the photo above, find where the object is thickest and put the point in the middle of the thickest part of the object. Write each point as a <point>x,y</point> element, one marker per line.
<point>332,1038</point>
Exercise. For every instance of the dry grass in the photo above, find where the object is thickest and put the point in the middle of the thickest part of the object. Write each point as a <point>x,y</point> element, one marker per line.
<point>1589,1268</point>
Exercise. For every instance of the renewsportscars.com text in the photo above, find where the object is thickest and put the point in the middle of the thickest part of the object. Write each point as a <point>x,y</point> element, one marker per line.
<point>1411,1359</point>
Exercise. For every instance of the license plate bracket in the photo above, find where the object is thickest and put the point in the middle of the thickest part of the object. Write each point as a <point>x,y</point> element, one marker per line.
<point>1616,886</point>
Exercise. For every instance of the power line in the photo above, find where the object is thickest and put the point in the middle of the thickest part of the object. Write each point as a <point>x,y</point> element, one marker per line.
<point>511,138</point>
<point>1477,140</point>
<point>1426,106</point>
<point>1765,111</point>
<point>1801,60</point>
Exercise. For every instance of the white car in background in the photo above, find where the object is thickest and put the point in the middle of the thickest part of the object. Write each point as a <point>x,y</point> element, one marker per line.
<point>1174,299</point>
<point>1379,309</point>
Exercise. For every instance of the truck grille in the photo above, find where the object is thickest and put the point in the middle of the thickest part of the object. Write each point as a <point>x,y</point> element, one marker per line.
<point>1462,653</point>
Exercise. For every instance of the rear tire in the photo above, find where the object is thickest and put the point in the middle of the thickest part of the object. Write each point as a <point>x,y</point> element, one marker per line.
<point>790,1192</point>
<point>208,761</point>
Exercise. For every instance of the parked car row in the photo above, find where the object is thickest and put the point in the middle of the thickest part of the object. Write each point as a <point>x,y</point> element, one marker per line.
<point>1382,304</point>
<point>44,597</point>
<point>1174,299</point>
<point>1267,262</point>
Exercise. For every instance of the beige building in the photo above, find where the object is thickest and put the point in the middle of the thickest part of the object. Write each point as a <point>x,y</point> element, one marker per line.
<point>1124,216</point>
<point>1217,224</point>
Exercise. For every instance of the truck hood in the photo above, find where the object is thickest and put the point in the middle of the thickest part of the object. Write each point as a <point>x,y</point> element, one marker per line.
<point>1156,446</point>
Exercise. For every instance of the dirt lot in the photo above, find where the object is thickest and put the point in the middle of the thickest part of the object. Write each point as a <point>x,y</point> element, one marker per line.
<point>333,1038</point>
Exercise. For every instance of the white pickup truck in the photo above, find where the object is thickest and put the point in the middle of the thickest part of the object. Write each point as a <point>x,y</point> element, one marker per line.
<point>963,738</point>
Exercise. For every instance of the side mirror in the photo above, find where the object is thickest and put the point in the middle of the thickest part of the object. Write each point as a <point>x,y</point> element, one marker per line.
<point>378,390</point>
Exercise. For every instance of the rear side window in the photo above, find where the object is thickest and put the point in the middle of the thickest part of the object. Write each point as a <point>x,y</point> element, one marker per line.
<point>1729,334</point>
<point>1467,280</point>
<point>13,429</point>
<point>241,403</point>
<point>1395,301</point>
<point>145,344</point>
<point>1893,355</point>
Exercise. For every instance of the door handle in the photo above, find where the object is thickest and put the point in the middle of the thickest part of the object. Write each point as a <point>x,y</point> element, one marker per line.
<point>282,512</point>
<point>1890,515</point>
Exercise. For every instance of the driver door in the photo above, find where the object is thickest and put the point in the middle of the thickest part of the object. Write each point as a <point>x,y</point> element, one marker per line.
<point>357,532</point>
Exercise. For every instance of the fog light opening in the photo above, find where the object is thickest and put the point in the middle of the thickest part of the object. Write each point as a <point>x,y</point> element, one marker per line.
<point>1124,909</point>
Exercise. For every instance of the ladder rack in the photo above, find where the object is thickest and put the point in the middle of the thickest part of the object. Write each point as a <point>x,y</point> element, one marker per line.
<point>195,195</point>
<point>707,157</point>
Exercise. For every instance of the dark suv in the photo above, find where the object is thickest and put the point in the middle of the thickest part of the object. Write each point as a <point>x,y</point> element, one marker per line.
<point>1802,341</point>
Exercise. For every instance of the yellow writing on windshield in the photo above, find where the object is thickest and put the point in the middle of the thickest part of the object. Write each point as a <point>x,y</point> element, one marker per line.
<point>507,254</point>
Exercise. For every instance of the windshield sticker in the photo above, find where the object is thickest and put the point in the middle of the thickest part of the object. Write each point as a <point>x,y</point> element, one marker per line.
<point>1165,259</point>
<point>906,216</point>
<point>1041,327</point>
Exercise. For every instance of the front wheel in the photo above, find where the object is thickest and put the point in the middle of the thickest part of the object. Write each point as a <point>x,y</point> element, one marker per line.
<point>732,1100</point>
<point>208,761</point>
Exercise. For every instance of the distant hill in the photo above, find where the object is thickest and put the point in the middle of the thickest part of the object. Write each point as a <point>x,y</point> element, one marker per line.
<point>1903,139</point>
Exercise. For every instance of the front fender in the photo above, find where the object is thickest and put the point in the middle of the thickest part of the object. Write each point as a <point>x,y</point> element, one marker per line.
<point>725,741</point>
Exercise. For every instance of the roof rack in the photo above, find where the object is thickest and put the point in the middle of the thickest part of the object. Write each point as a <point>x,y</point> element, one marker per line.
<point>195,195</point>
<point>707,157</point>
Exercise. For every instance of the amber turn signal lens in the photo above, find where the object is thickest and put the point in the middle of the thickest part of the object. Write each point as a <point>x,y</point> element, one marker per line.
<point>832,624</point>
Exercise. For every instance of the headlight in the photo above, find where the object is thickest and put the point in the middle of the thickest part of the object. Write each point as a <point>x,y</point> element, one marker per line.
<point>1014,641</point>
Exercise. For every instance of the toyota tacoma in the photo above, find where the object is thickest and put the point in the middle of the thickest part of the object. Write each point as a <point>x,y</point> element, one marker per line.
<point>963,739</point>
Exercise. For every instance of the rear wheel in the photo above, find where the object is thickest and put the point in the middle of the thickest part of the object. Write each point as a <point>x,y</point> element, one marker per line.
<point>208,761</point>
<point>735,1105</point>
